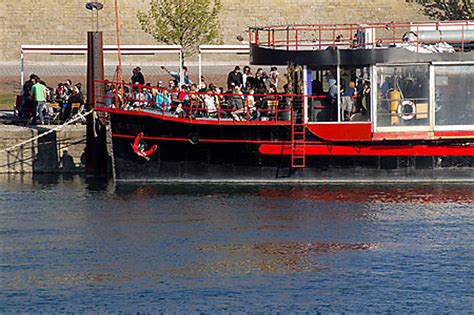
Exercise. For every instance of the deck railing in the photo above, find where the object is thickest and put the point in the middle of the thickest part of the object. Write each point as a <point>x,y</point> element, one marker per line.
<point>197,106</point>
<point>321,36</point>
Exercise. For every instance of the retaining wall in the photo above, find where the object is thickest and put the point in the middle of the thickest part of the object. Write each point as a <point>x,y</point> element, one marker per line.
<point>67,21</point>
<point>59,151</point>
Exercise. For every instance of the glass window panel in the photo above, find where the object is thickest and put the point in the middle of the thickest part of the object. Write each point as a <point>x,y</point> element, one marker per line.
<point>354,89</point>
<point>454,90</point>
<point>403,96</point>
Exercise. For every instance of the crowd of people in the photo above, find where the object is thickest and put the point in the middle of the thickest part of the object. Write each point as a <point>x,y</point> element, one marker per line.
<point>242,99</point>
<point>246,96</point>
<point>37,99</point>
<point>355,98</point>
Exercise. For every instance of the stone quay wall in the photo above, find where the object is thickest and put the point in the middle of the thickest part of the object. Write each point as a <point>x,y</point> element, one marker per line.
<point>59,151</point>
<point>65,22</point>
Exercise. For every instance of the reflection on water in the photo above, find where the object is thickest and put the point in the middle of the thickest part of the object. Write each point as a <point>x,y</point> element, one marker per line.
<point>284,258</point>
<point>380,193</point>
<point>80,245</point>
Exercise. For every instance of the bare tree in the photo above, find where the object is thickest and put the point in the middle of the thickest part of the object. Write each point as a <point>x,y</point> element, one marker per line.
<point>188,23</point>
<point>447,9</point>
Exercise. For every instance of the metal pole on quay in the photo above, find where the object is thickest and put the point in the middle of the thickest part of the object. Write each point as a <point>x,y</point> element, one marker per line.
<point>96,135</point>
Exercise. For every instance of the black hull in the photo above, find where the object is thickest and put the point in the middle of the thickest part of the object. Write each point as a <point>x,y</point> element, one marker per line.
<point>227,153</point>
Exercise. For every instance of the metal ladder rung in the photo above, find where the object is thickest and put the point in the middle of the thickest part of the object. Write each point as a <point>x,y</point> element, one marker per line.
<point>298,140</point>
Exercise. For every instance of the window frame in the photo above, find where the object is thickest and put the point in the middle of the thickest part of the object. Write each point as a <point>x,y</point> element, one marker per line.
<point>448,127</point>
<point>375,89</point>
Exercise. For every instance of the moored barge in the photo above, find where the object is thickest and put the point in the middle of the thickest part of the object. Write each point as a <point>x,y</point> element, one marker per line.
<point>412,118</point>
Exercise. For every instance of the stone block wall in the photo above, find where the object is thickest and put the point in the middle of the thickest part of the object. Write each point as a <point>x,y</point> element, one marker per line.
<point>59,151</point>
<point>67,21</point>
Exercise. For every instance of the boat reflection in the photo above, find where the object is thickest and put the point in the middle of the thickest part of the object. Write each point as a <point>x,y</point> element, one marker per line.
<point>400,193</point>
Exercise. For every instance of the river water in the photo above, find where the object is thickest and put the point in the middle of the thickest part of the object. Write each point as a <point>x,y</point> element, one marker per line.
<point>68,244</point>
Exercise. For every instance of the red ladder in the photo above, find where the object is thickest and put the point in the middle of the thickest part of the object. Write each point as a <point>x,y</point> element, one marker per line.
<point>298,140</point>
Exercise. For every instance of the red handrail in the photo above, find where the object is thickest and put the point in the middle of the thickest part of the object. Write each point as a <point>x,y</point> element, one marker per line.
<point>301,35</point>
<point>196,101</point>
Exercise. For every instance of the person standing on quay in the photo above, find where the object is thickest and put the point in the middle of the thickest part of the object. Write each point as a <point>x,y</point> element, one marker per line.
<point>38,91</point>
<point>26,95</point>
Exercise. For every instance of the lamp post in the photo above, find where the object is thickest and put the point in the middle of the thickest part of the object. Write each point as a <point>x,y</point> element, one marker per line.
<point>95,6</point>
<point>96,144</point>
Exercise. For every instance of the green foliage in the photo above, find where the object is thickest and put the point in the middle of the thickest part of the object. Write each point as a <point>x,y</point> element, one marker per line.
<point>7,100</point>
<point>188,23</point>
<point>448,10</point>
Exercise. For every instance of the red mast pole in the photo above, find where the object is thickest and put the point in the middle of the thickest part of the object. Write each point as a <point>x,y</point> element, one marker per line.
<point>117,32</point>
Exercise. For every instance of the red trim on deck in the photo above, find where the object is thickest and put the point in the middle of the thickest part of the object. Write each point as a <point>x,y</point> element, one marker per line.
<point>342,131</point>
<point>372,150</point>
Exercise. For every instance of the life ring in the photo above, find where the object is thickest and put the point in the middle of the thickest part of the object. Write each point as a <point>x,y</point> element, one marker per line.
<point>406,110</point>
<point>139,147</point>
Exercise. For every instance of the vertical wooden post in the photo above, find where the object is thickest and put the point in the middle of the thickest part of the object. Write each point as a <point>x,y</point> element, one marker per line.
<point>96,144</point>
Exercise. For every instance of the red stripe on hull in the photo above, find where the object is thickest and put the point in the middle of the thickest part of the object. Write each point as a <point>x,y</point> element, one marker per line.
<point>275,148</point>
<point>372,150</point>
<point>200,140</point>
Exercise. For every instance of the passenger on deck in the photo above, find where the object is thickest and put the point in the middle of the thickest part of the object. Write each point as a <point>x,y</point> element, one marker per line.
<point>195,104</point>
<point>237,101</point>
<point>259,82</point>
<point>248,107</point>
<point>176,76</point>
<point>246,75</point>
<point>333,91</point>
<point>347,101</point>
<point>143,98</point>
<point>182,102</point>
<point>162,100</point>
<point>183,95</point>
<point>137,76</point>
<point>210,104</point>
<point>109,95</point>
<point>234,78</point>
<point>172,90</point>
<point>273,77</point>
<point>366,99</point>
<point>218,91</point>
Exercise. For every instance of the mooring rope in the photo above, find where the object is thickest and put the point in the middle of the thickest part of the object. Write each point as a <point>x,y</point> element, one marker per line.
<point>76,117</point>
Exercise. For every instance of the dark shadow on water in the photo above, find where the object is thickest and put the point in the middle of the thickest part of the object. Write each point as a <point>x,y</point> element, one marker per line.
<point>79,181</point>
<point>97,184</point>
<point>365,193</point>
<point>388,193</point>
